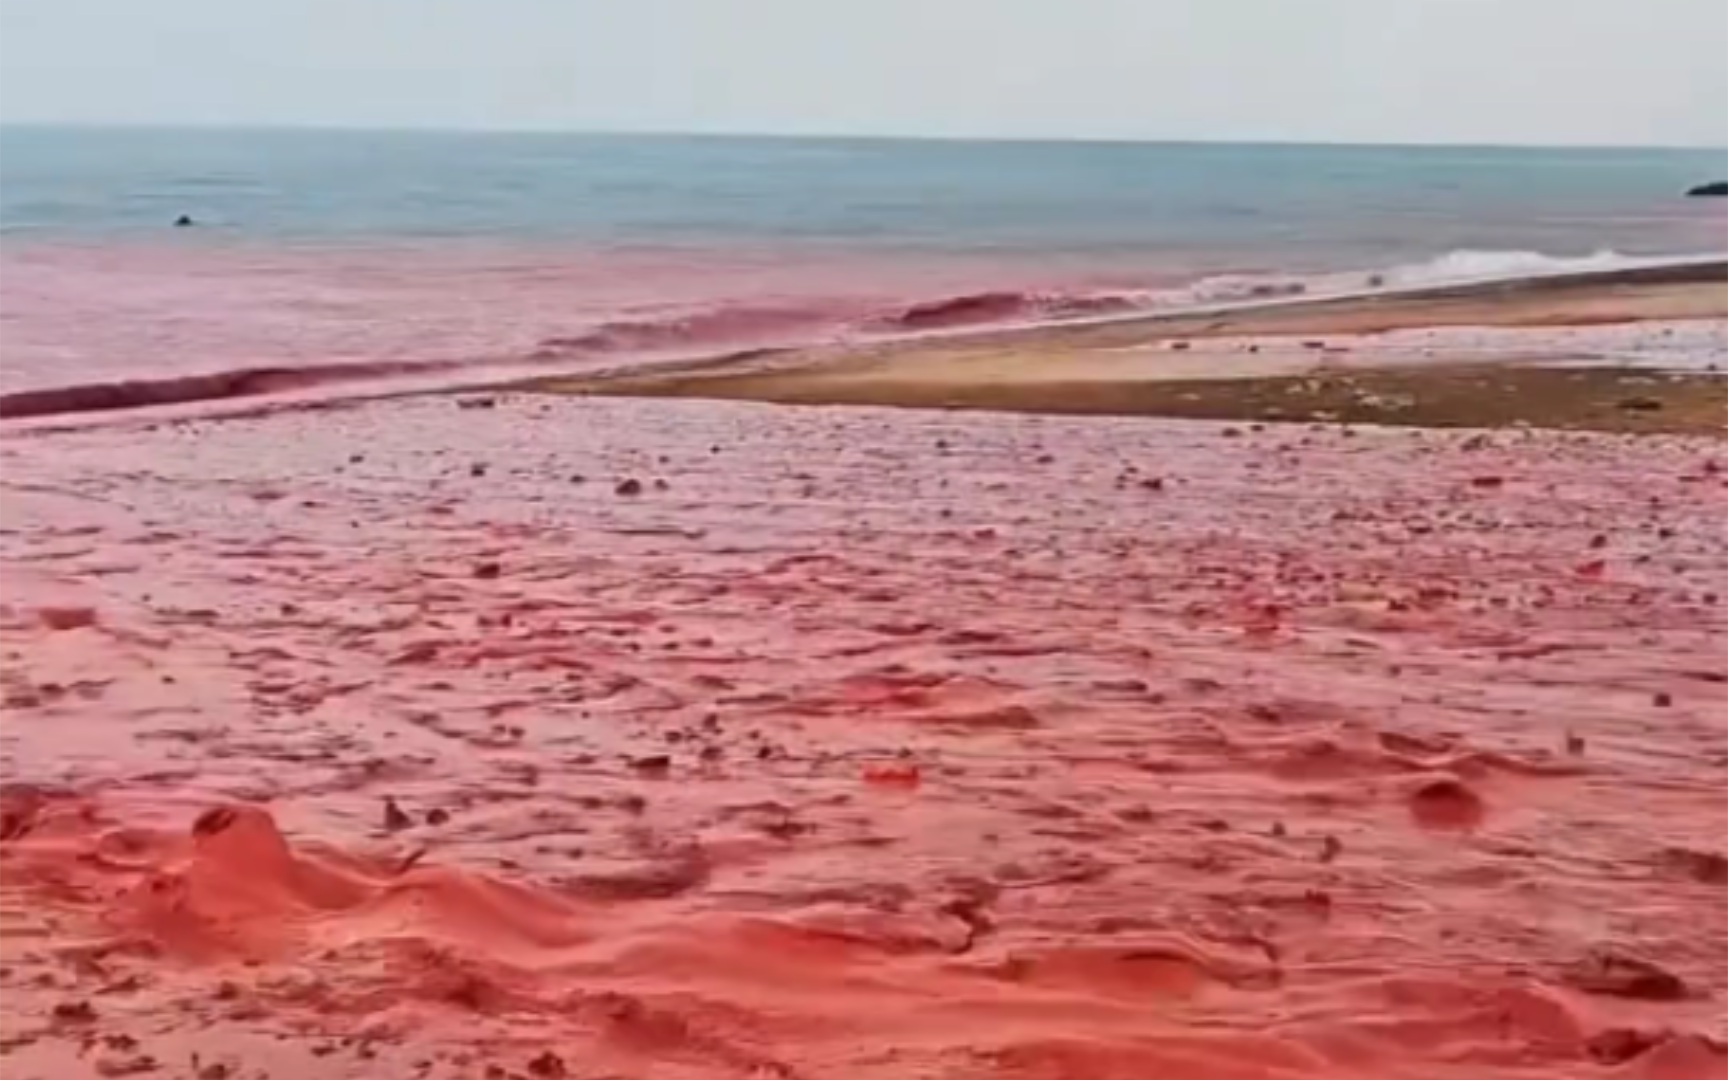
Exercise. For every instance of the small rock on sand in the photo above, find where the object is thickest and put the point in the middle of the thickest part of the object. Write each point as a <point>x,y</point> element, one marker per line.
<point>395,819</point>
<point>67,618</point>
<point>1612,974</point>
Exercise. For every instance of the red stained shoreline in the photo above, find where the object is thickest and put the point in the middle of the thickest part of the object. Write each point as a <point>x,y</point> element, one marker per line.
<point>871,744</point>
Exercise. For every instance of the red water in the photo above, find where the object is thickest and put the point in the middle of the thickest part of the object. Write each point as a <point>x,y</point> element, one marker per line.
<point>399,740</point>
<point>111,326</point>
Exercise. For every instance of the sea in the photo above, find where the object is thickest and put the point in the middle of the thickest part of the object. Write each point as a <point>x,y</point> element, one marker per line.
<point>360,256</point>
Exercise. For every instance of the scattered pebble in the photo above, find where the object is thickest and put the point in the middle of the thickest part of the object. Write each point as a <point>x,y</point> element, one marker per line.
<point>67,618</point>
<point>395,819</point>
<point>75,1012</point>
<point>1447,803</point>
<point>1613,974</point>
<point>1639,404</point>
<point>628,486</point>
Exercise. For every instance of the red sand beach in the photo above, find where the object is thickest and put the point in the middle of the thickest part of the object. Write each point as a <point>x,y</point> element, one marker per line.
<point>554,737</point>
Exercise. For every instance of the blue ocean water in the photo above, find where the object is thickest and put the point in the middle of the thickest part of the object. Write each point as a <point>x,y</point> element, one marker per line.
<point>1329,206</point>
<point>351,247</point>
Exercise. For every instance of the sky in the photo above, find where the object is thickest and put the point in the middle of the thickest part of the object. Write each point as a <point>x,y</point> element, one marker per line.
<point>1581,72</point>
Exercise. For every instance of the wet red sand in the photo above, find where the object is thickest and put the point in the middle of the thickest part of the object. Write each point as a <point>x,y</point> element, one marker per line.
<point>373,742</point>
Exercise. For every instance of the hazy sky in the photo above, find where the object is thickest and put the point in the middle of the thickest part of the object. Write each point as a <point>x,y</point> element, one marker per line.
<point>1515,71</point>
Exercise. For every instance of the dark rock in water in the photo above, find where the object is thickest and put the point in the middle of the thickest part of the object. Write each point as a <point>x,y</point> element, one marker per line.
<point>184,221</point>
<point>1717,189</point>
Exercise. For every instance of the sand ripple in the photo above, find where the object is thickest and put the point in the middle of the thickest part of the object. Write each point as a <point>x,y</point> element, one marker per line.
<point>408,740</point>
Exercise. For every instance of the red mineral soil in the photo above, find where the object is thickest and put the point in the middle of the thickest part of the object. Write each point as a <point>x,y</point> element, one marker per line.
<point>700,741</point>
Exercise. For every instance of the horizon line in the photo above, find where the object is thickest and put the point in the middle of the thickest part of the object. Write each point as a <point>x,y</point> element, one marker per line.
<point>313,127</point>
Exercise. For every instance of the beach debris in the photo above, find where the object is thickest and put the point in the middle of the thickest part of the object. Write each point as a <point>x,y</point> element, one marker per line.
<point>628,486</point>
<point>1330,848</point>
<point>1153,483</point>
<point>1594,570</point>
<point>1598,542</point>
<point>1639,404</point>
<point>477,469</point>
<point>660,484</point>
<point>437,816</point>
<point>1662,700</point>
<point>477,403</point>
<point>1574,744</point>
<point>1180,346</point>
<point>1487,482</point>
<point>487,571</point>
<point>653,764</point>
